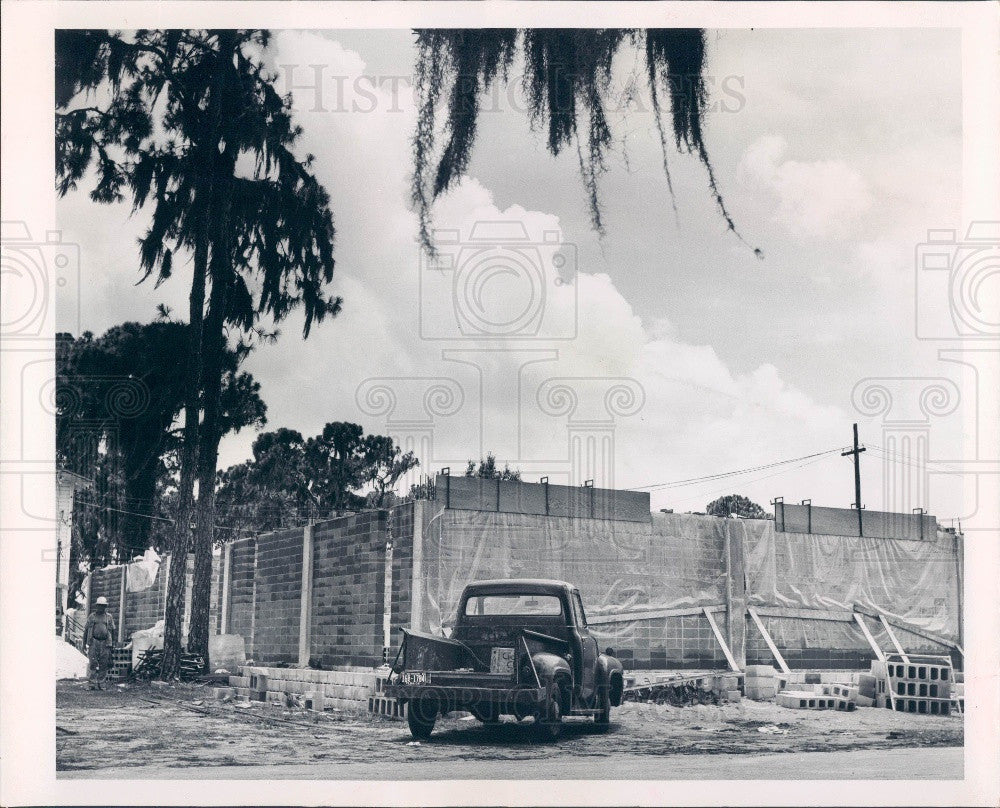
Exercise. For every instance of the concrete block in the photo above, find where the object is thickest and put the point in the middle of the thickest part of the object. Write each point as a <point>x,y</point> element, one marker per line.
<point>760,693</point>
<point>844,705</point>
<point>848,692</point>
<point>314,700</point>
<point>797,699</point>
<point>864,701</point>
<point>760,670</point>
<point>733,695</point>
<point>867,685</point>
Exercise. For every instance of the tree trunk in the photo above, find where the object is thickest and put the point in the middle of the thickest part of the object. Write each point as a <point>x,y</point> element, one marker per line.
<point>208,227</point>
<point>208,455</point>
<point>181,539</point>
<point>213,348</point>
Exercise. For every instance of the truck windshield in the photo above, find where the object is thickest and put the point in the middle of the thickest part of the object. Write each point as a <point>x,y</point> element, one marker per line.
<point>513,604</point>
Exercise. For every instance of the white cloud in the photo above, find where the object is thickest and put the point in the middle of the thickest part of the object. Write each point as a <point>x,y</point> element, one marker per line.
<point>703,412</point>
<point>820,198</point>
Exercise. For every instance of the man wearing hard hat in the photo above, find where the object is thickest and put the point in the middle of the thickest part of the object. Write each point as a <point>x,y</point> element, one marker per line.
<point>98,636</point>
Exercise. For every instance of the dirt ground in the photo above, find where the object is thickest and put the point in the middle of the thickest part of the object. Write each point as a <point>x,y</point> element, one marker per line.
<point>180,726</point>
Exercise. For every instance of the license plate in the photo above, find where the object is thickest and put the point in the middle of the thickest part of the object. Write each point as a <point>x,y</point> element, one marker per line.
<point>502,661</point>
<point>414,678</point>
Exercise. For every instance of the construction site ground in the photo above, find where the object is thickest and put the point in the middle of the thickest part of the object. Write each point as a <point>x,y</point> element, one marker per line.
<point>151,730</point>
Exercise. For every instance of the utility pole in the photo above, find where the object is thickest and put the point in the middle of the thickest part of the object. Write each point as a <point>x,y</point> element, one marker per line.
<point>856,452</point>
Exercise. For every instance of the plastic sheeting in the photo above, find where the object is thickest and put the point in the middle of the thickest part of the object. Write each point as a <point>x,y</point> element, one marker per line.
<point>142,574</point>
<point>915,581</point>
<point>626,569</point>
<point>622,568</point>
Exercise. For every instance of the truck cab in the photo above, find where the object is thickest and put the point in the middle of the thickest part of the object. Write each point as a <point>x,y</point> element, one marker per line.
<point>518,647</point>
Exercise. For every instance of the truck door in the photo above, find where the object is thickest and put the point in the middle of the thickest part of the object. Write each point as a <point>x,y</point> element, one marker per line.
<point>587,645</point>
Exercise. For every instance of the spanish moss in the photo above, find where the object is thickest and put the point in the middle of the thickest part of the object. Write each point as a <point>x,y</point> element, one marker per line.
<point>567,79</point>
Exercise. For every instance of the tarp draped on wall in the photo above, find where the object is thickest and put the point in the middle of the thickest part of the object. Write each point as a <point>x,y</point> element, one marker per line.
<point>677,560</point>
<point>912,580</point>
<point>622,568</point>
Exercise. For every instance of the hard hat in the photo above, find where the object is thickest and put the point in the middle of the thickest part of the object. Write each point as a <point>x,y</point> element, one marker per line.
<point>101,601</point>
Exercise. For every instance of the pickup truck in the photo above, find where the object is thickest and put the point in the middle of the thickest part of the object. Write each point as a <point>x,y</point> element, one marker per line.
<point>518,647</point>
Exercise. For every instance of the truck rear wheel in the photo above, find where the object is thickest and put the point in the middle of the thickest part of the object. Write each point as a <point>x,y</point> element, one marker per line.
<point>421,714</point>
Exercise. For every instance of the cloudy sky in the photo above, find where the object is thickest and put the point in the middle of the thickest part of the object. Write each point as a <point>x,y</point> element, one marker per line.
<point>667,341</point>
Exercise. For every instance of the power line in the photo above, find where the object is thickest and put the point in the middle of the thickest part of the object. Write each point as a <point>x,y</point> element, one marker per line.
<point>711,477</point>
<point>151,516</point>
<point>899,457</point>
<point>814,459</point>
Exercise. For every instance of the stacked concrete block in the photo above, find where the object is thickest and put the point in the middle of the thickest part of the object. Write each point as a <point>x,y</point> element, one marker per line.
<point>726,687</point>
<point>867,685</point>
<point>760,682</point>
<point>805,700</point>
<point>339,690</point>
<point>920,685</point>
<point>842,691</point>
<point>382,705</point>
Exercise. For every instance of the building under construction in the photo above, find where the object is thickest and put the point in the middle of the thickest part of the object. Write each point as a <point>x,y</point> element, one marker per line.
<point>813,588</point>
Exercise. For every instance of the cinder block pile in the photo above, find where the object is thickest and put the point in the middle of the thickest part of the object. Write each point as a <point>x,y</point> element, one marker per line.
<point>919,684</point>
<point>810,700</point>
<point>760,682</point>
<point>346,691</point>
<point>828,690</point>
<point>379,703</point>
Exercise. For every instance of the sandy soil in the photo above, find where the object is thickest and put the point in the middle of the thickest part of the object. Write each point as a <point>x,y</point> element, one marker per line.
<point>120,728</point>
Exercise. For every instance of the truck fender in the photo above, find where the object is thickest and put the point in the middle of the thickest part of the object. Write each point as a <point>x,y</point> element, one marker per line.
<point>552,667</point>
<point>547,666</point>
<point>611,674</point>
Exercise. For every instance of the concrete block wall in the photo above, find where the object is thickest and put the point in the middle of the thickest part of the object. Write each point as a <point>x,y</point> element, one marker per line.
<point>278,596</point>
<point>144,608</point>
<point>817,520</point>
<point>241,592</point>
<point>678,560</point>
<point>473,493</point>
<point>349,587</point>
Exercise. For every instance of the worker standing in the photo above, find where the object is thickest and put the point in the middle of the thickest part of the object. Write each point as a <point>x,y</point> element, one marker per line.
<point>98,637</point>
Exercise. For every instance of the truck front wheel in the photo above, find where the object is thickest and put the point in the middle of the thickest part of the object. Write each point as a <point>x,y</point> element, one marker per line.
<point>421,714</point>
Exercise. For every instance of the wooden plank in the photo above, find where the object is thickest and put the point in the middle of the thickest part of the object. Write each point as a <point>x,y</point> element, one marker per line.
<point>651,614</point>
<point>868,636</point>
<point>721,639</point>
<point>892,637</point>
<point>837,615</point>
<point>767,638</point>
<point>920,632</point>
